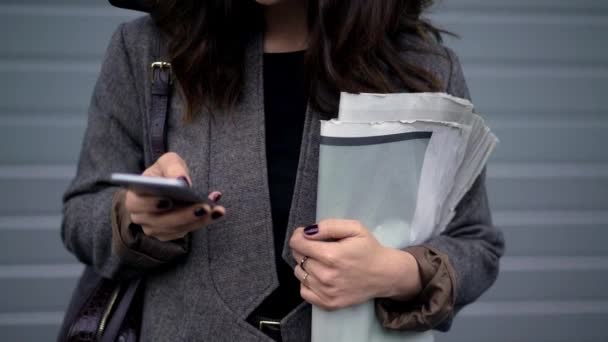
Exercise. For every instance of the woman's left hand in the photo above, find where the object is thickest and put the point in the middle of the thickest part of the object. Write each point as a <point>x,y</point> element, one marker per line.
<point>345,265</point>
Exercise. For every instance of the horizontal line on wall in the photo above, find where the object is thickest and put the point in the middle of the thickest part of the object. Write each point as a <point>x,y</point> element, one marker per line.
<point>553,263</point>
<point>488,69</point>
<point>527,9</point>
<point>40,271</point>
<point>542,218</point>
<point>543,308</point>
<point>586,120</point>
<point>507,264</point>
<point>547,170</point>
<point>84,56</point>
<point>436,13</point>
<point>42,222</point>
<point>500,117</point>
<point>37,171</point>
<point>538,116</point>
<point>68,107</point>
<point>490,18</point>
<point>546,61</point>
<point>567,4</point>
<point>564,6</point>
<point>496,170</point>
<point>44,66</point>
<point>68,11</point>
<point>31,318</point>
<point>483,67</point>
<point>44,120</point>
<point>479,309</point>
<point>533,71</point>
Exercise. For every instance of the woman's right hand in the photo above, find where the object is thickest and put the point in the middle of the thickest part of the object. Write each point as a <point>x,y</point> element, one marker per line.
<point>158,217</point>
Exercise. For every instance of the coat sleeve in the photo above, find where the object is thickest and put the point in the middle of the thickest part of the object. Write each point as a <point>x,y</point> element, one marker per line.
<point>113,142</point>
<point>471,241</point>
<point>457,266</point>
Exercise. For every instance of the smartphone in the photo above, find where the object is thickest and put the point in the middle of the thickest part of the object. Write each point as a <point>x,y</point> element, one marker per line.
<point>174,189</point>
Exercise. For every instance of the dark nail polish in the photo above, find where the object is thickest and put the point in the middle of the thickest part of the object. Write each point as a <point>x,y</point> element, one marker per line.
<point>184,179</point>
<point>163,204</point>
<point>218,195</point>
<point>311,230</point>
<point>216,215</point>
<point>200,212</point>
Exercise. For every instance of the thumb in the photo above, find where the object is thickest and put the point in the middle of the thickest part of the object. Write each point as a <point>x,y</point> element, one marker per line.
<point>333,230</point>
<point>169,165</point>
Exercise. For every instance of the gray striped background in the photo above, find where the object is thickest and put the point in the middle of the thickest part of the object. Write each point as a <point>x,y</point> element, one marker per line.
<point>537,69</point>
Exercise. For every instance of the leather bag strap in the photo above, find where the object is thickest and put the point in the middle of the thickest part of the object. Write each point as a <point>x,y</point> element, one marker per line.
<point>161,79</point>
<point>119,316</point>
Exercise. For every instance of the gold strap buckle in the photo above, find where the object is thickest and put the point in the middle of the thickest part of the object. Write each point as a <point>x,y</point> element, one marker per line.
<point>161,66</point>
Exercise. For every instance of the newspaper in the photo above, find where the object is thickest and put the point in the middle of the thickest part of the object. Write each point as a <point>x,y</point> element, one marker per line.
<point>399,163</point>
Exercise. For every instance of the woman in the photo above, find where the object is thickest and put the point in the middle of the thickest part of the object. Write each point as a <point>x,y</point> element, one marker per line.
<point>253,79</point>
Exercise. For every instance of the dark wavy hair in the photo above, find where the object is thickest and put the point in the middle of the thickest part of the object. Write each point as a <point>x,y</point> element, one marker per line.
<point>354,46</point>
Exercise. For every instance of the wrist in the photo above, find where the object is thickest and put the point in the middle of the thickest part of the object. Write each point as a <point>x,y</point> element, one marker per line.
<point>402,273</point>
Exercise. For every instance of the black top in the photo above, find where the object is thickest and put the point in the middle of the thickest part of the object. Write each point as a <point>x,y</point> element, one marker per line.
<point>285,101</point>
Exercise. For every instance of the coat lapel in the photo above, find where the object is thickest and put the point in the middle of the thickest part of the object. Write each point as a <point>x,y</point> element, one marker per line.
<point>241,253</point>
<point>304,201</point>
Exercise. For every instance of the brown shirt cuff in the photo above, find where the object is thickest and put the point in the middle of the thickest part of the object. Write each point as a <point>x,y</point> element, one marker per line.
<point>433,305</point>
<point>136,249</point>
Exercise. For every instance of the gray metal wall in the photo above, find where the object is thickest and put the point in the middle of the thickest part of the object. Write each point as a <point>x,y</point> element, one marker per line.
<point>537,69</point>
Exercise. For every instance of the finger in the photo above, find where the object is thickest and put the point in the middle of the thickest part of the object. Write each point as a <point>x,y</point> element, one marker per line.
<point>311,289</point>
<point>322,276</point>
<point>169,165</point>
<point>135,203</point>
<point>217,212</point>
<point>307,279</point>
<point>175,222</point>
<point>319,278</point>
<point>297,256</point>
<point>301,260</point>
<point>175,218</point>
<point>161,236</point>
<point>173,233</point>
<point>310,296</point>
<point>173,166</point>
<point>333,230</point>
<point>215,196</point>
<point>320,250</point>
<point>315,299</point>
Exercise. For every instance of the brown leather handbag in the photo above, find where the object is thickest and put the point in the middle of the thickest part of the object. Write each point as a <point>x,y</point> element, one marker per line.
<point>109,310</point>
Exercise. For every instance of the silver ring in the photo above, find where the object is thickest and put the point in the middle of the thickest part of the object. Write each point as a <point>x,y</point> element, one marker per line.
<point>305,276</point>
<point>302,262</point>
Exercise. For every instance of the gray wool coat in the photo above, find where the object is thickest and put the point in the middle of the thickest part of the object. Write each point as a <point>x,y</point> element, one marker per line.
<point>230,267</point>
